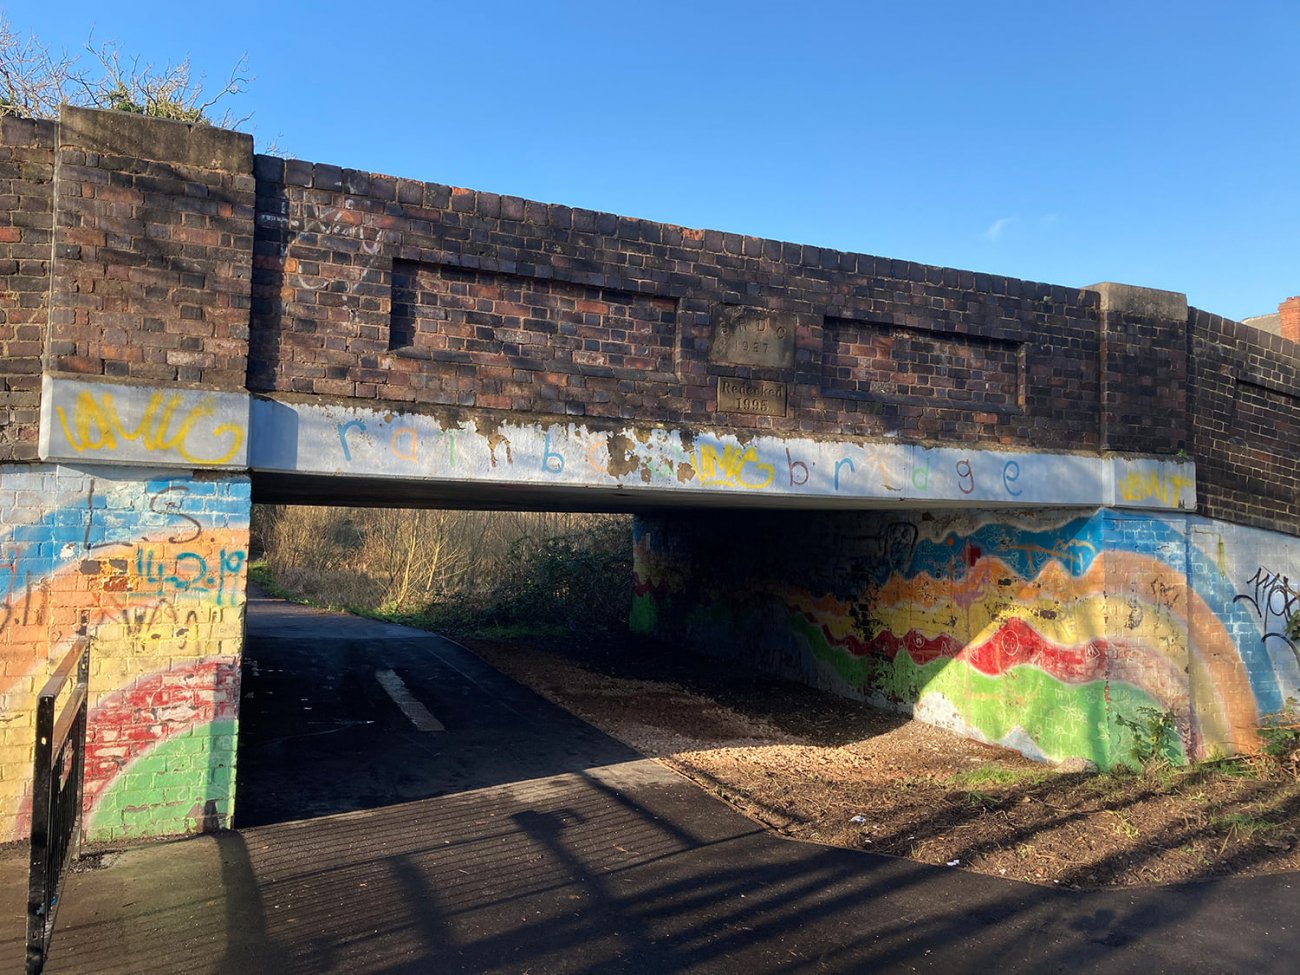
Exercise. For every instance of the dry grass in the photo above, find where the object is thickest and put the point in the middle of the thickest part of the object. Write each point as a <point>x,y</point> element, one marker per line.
<point>449,566</point>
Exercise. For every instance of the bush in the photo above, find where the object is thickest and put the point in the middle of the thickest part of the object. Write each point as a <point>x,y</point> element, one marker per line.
<point>581,578</point>
<point>1155,736</point>
<point>35,82</point>
<point>455,570</point>
<point>1279,734</point>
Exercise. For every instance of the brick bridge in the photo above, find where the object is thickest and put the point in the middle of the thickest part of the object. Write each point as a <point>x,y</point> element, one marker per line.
<point>1021,511</point>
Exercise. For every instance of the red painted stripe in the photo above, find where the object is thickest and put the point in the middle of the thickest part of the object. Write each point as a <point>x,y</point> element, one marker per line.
<point>128,723</point>
<point>1015,643</point>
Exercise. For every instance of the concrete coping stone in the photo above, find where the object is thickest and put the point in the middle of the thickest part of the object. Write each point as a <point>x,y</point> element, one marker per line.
<point>161,140</point>
<point>1128,299</point>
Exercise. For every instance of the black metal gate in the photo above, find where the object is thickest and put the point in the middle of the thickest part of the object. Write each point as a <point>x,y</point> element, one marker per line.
<point>60,764</point>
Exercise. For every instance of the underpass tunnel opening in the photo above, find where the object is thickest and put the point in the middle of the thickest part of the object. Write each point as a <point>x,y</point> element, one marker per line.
<point>344,712</point>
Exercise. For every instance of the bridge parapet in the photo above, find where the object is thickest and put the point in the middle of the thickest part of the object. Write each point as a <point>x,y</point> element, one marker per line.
<point>372,287</point>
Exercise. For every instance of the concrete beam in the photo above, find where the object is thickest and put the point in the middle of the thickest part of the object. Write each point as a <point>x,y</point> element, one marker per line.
<point>84,420</point>
<point>654,465</point>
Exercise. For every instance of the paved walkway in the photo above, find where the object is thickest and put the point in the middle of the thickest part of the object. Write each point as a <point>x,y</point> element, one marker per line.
<point>612,865</point>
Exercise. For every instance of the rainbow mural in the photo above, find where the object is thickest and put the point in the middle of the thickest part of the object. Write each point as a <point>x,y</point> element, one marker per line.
<point>153,566</point>
<point>1045,632</point>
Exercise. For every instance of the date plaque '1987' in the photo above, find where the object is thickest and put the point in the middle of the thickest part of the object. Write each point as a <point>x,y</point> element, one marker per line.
<point>744,336</point>
<point>751,396</point>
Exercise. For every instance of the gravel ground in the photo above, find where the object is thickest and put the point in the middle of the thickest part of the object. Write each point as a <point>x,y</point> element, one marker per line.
<point>822,768</point>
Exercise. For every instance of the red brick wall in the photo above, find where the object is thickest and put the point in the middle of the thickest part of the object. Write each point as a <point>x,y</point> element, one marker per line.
<point>152,250</point>
<point>372,287</point>
<point>376,288</point>
<point>1145,374</point>
<point>1289,312</point>
<point>26,217</point>
<point>1246,423</point>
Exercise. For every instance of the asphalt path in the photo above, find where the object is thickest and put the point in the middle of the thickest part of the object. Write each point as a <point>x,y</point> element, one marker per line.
<point>519,839</point>
<point>326,720</point>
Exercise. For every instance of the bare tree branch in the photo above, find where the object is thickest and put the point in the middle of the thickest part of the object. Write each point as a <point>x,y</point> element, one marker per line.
<point>34,82</point>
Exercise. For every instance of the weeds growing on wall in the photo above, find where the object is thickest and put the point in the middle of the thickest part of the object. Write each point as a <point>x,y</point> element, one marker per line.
<point>1155,736</point>
<point>457,571</point>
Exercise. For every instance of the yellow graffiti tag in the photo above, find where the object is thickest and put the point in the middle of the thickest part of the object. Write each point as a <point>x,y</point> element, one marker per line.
<point>1135,486</point>
<point>734,467</point>
<point>97,426</point>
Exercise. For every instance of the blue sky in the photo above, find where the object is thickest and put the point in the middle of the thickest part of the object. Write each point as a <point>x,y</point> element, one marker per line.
<point>1148,142</point>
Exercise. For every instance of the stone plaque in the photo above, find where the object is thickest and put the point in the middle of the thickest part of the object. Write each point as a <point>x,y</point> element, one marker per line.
<point>744,336</point>
<point>750,396</point>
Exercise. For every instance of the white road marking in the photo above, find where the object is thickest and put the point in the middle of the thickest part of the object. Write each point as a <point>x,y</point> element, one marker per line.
<point>417,713</point>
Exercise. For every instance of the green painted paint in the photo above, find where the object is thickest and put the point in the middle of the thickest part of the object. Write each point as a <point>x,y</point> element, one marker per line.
<point>855,671</point>
<point>166,791</point>
<point>644,616</point>
<point>1063,720</point>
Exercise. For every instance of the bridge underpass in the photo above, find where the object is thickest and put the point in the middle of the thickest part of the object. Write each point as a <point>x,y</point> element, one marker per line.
<point>1080,498</point>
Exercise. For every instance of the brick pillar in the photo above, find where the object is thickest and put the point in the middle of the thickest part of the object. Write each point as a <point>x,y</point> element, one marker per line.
<point>1289,310</point>
<point>134,524</point>
<point>26,215</point>
<point>153,250</point>
<point>1144,368</point>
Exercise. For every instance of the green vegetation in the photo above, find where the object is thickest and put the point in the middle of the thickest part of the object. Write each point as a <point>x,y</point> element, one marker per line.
<point>994,775</point>
<point>501,574</point>
<point>1245,826</point>
<point>1279,734</point>
<point>1155,736</point>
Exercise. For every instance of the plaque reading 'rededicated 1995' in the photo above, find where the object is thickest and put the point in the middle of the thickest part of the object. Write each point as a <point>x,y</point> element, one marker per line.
<point>744,336</point>
<point>750,396</point>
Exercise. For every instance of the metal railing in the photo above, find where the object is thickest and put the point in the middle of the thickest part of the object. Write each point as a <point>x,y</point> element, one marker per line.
<point>60,763</point>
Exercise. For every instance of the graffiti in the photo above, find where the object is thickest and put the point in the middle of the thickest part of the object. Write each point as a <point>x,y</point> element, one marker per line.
<point>965,476</point>
<point>552,462</point>
<point>735,466</point>
<point>342,429</point>
<point>33,600</point>
<point>405,443</point>
<point>96,425</point>
<point>150,622</point>
<point>1011,477</point>
<point>370,443</point>
<point>1274,602</point>
<point>1136,486</point>
<point>496,440</point>
<point>882,459</point>
<point>998,627</point>
<point>1073,553</point>
<point>188,572</point>
<point>170,499</point>
<point>154,569</point>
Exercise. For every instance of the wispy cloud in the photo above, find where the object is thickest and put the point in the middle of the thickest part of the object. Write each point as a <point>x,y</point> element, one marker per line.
<point>998,227</point>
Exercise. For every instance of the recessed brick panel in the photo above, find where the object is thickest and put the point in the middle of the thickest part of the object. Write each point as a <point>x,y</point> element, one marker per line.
<point>451,314</point>
<point>868,361</point>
